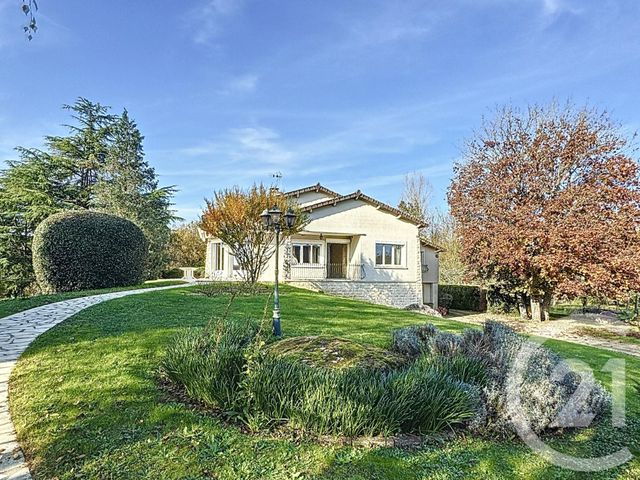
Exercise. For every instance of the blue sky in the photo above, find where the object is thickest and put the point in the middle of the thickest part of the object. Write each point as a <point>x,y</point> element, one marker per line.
<point>351,94</point>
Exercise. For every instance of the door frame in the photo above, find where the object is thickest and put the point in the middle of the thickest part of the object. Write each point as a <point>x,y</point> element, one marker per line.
<point>347,244</point>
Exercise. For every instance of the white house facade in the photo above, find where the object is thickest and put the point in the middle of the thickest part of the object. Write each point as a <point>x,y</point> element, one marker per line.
<point>353,246</point>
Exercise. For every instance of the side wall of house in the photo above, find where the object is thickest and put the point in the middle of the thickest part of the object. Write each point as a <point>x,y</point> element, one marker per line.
<point>210,272</point>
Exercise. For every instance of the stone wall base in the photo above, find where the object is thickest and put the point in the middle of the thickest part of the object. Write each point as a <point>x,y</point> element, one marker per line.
<point>394,294</point>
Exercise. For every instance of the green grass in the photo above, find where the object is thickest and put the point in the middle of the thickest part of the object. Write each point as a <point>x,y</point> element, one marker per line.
<point>9,306</point>
<point>86,404</point>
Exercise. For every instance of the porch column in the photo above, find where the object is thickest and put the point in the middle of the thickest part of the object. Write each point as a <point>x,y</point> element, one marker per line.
<point>286,260</point>
<point>418,257</point>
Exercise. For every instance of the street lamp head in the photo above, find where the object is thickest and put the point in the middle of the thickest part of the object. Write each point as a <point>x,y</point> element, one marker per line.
<point>289,218</point>
<point>275,213</point>
<point>265,216</point>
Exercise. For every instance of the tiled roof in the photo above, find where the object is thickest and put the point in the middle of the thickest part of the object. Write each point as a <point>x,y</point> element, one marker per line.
<point>358,195</point>
<point>426,242</point>
<point>313,188</point>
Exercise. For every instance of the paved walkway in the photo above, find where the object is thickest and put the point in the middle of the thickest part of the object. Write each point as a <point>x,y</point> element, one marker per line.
<point>16,333</point>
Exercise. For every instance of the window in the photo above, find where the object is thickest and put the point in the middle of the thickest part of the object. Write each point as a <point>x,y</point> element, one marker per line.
<point>236,265</point>
<point>306,253</point>
<point>388,254</point>
<point>218,256</point>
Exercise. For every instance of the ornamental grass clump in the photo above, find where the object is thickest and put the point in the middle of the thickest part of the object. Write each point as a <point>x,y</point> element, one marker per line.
<point>431,381</point>
<point>359,401</point>
<point>229,366</point>
<point>209,363</point>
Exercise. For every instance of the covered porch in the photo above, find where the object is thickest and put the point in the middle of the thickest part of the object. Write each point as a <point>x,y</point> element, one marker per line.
<point>313,255</point>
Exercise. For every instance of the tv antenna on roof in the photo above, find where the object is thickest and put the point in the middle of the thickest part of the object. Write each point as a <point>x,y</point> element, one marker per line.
<point>277,179</point>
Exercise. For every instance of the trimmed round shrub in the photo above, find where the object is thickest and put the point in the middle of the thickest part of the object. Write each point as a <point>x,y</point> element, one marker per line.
<point>87,250</point>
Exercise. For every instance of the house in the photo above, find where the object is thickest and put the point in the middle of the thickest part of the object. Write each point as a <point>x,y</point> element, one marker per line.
<point>353,246</point>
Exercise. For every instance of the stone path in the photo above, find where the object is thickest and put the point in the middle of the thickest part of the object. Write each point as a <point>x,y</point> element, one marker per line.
<point>16,333</point>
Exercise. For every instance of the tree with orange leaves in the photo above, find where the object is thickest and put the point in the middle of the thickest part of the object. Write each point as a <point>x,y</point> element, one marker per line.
<point>233,216</point>
<point>549,197</point>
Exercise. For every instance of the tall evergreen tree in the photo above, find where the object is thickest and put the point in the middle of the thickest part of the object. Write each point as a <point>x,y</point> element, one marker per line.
<point>86,147</point>
<point>127,186</point>
<point>31,189</point>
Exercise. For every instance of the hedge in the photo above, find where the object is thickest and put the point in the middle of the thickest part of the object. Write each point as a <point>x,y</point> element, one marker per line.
<point>172,273</point>
<point>88,250</point>
<point>465,297</point>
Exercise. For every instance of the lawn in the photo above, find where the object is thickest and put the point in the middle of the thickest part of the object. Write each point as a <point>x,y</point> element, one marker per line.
<point>85,402</point>
<point>9,306</point>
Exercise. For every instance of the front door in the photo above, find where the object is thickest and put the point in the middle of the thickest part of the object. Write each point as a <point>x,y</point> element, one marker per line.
<point>337,260</point>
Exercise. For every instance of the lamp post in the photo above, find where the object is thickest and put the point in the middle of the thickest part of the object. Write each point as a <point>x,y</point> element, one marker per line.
<point>272,219</point>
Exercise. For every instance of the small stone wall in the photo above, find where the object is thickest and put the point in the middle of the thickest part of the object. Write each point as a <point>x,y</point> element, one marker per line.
<point>394,294</point>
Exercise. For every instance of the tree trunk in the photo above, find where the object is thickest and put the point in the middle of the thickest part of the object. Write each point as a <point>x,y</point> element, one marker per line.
<point>546,303</point>
<point>537,308</point>
<point>540,307</point>
<point>522,306</point>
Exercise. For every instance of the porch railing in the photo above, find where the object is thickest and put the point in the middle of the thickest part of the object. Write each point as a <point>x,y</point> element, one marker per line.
<point>351,271</point>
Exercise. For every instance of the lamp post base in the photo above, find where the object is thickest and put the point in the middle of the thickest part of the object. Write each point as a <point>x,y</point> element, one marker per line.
<point>277,330</point>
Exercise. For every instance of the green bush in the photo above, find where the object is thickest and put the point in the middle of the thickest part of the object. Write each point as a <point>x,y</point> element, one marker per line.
<point>445,300</point>
<point>88,250</point>
<point>413,340</point>
<point>198,272</point>
<point>544,392</point>
<point>209,362</point>
<point>501,299</point>
<point>465,297</point>
<point>486,358</point>
<point>172,273</point>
